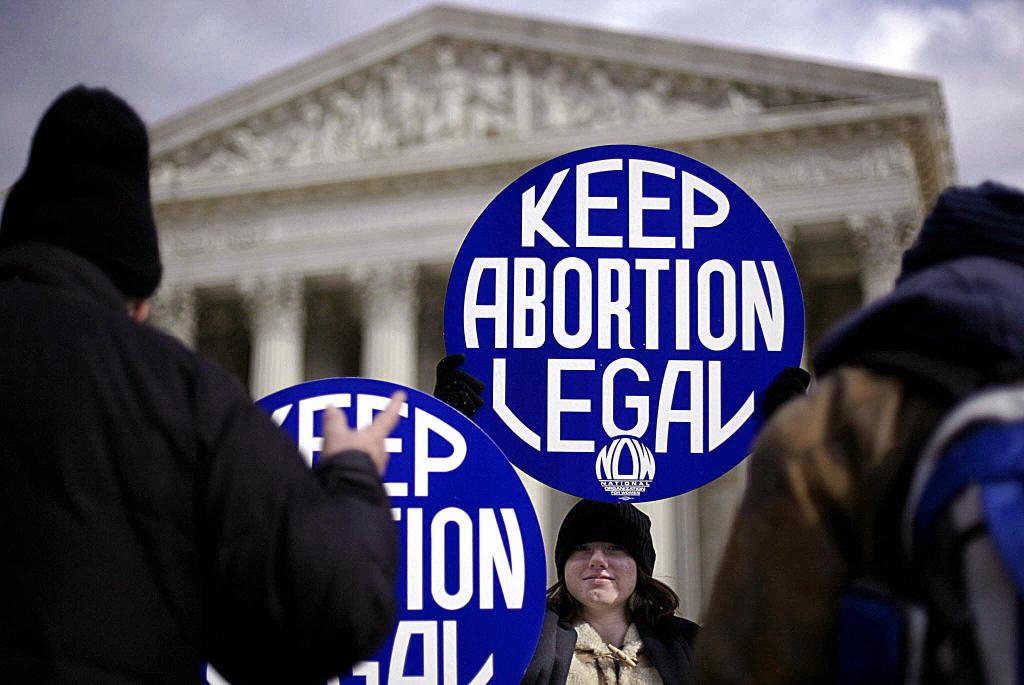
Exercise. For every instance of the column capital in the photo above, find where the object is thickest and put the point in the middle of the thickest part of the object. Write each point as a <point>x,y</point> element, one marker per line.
<point>388,293</point>
<point>277,313</point>
<point>394,280</point>
<point>277,292</point>
<point>880,239</point>
<point>881,234</point>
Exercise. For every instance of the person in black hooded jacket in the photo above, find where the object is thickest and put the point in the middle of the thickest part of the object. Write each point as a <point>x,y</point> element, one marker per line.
<point>829,474</point>
<point>150,515</point>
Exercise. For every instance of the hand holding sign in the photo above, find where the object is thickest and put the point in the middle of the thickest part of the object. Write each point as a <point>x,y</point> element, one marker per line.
<point>458,388</point>
<point>471,552</point>
<point>339,437</point>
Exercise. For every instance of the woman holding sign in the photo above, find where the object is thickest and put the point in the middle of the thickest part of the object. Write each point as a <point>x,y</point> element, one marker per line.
<point>609,622</point>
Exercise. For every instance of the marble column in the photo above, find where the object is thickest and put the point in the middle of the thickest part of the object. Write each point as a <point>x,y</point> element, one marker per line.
<point>676,537</point>
<point>689,554</point>
<point>788,232</point>
<point>881,239</point>
<point>277,314</point>
<point>540,497</point>
<point>389,299</point>
<point>174,311</point>
<point>559,504</point>
<point>663,534</point>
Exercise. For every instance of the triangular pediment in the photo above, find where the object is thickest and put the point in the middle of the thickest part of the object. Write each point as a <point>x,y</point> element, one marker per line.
<point>449,78</point>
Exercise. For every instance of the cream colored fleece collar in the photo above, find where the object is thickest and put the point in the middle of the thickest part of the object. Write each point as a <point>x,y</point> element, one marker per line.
<point>598,663</point>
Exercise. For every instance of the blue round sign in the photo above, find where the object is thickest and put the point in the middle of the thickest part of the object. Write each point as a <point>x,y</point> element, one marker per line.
<point>625,306</point>
<point>472,569</point>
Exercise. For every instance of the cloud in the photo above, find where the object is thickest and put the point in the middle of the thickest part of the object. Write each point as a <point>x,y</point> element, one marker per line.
<point>974,49</point>
<point>978,51</point>
<point>166,57</point>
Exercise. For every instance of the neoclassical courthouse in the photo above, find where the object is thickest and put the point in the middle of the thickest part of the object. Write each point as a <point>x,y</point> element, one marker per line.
<point>309,220</point>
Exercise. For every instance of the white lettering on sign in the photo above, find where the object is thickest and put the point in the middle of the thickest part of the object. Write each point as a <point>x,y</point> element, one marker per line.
<point>458,558</point>
<point>609,307</point>
<point>639,203</point>
<point>492,561</point>
<point>756,308</point>
<point>558,405</point>
<point>682,398</point>
<point>528,310</point>
<point>583,279</point>
<point>748,306</point>
<point>726,314</point>
<point>498,310</point>
<point>691,219</point>
<point>508,565</point>
<point>533,211</point>
<point>463,592</point>
<point>310,443</point>
<point>616,304</point>
<point>586,202</point>
<point>502,409</point>
<point>425,426</point>
<point>639,403</point>
<point>424,464</point>
<point>439,665</point>
<point>477,532</point>
<point>630,284</point>
<point>652,269</point>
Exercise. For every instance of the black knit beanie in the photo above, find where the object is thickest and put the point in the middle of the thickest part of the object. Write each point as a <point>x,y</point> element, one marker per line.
<point>976,221</point>
<point>86,188</point>
<point>619,523</point>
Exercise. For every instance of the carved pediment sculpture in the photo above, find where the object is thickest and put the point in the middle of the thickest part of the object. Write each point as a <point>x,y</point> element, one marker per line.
<point>448,94</point>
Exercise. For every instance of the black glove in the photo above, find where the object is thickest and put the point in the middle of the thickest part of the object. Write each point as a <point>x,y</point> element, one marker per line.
<point>457,387</point>
<point>791,382</point>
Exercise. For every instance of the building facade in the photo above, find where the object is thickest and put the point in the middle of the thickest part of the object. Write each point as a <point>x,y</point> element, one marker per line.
<point>308,221</point>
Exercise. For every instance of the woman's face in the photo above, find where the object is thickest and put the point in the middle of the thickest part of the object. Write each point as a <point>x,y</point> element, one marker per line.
<point>600,575</point>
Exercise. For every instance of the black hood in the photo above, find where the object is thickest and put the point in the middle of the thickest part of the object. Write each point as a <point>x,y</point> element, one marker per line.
<point>952,327</point>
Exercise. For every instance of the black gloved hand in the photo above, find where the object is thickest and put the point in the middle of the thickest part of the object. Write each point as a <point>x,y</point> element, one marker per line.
<point>791,382</point>
<point>457,387</point>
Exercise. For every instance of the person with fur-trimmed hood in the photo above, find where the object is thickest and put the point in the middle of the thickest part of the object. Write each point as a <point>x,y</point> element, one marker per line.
<point>829,474</point>
<point>151,517</point>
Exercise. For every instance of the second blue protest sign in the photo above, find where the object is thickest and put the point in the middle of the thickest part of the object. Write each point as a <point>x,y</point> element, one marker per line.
<point>625,306</point>
<point>471,579</point>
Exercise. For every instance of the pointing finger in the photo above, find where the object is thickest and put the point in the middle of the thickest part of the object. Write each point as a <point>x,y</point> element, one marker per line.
<point>386,421</point>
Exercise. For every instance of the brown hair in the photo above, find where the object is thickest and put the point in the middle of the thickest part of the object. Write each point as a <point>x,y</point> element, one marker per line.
<point>650,602</point>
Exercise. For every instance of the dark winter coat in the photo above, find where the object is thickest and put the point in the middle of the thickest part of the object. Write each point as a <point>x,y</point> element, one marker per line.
<point>151,516</point>
<point>829,473</point>
<point>669,645</point>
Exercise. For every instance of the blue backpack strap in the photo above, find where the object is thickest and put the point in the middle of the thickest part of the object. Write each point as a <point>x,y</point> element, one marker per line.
<point>1004,514</point>
<point>992,456</point>
<point>969,489</point>
<point>880,636</point>
<point>967,493</point>
<point>981,441</point>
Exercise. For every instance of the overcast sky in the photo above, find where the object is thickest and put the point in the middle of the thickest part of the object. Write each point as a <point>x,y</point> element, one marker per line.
<point>164,57</point>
